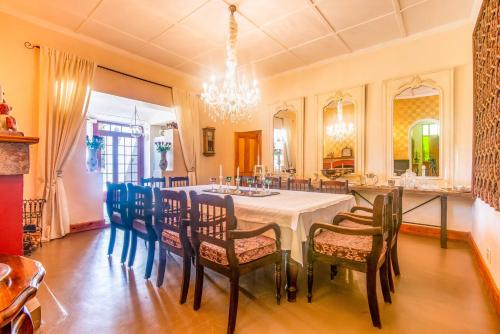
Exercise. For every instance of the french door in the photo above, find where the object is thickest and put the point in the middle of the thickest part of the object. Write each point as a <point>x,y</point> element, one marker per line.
<point>122,157</point>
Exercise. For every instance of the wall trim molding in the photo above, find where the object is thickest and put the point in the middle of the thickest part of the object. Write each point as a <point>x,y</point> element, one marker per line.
<point>487,277</point>
<point>87,226</point>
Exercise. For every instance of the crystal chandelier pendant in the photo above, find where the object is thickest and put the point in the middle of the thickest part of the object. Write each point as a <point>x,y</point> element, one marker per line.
<point>234,98</point>
<point>135,129</point>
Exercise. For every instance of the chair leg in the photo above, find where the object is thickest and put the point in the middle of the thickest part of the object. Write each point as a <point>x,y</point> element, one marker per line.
<point>310,270</point>
<point>371,291</point>
<point>333,271</point>
<point>394,259</point>
<point>384,282</point>
<point>133,249</point>
<point>112,239</point>
<point>277,278</point>
<point>161,266</point>
<point>151,258</point>
<point>126,243</point>
<point>186,275</point>
<point>389,272</point>
<point>198,287</point>
<point>233,304</point>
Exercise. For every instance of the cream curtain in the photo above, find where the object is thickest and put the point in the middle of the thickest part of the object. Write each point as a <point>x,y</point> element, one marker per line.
<point>64,86</point>
<point>188,107</point>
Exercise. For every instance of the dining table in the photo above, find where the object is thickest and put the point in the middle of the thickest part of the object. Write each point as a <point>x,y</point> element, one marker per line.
<point>293,211</point>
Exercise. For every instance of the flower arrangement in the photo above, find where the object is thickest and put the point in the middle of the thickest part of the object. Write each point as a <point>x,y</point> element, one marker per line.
<point>172,125</point>
<point>94,143</point>
<point>162,146</point>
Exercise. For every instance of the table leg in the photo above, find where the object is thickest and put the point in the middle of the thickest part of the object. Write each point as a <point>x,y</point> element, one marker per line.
<point>444,221</point>
<point>292,271</point>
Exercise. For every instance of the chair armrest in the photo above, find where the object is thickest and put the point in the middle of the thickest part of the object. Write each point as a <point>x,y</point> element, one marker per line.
<point>244,234</point>
<point>352,217</point>
<point>361,208</point>
<point>368,231</point>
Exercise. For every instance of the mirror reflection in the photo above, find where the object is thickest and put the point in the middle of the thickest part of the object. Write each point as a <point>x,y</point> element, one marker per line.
<point>285,141</point>
<point>417,131</point>
<point>339,138</point>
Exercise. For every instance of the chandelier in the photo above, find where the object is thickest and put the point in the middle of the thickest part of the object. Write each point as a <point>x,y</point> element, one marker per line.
<point>340,129</point>
<point>233,98</point>
<point>136,130</point>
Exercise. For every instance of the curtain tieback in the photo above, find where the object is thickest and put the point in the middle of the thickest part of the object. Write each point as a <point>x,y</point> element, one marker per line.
<point>59,173</point>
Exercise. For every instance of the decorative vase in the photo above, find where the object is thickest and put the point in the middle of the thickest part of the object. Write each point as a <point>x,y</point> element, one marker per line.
<point>163,161</point>
<point>92,162</point>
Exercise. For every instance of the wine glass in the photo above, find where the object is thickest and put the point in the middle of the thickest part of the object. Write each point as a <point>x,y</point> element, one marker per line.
<point>250,183</point>
<point>212,182</point>
<point>228,182</point>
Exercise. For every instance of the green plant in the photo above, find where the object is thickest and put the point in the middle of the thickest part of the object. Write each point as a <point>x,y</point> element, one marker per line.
<point>94,143</point>
<point>163,146</point>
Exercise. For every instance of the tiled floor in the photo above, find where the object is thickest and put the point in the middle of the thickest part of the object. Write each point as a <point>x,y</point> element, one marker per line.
<point>440,291</point>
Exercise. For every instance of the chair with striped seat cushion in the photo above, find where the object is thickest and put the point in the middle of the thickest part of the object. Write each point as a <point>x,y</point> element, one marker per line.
<point>172,228</point>
<point>357,243</point>
<point>220,246</point>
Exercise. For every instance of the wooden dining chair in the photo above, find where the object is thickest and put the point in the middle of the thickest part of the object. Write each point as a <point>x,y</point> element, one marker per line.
<point>362,249</point>
<point>334,186</point>
<point>178,181</point>
<point>221,247</point>
<point>152,182</point>
<point>397,215</point>
<point>275,182</point>
<point>140,201</point>
<point>117,208</point>
<point>299,184</point>
<point>171,227</point>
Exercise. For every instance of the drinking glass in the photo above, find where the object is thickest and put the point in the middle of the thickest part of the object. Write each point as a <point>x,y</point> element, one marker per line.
<point>212,181</point>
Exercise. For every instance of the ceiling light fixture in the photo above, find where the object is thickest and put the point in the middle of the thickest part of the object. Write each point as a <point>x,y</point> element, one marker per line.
<point>340,129</point>
<point>233,99</point>
<point>135,129</point>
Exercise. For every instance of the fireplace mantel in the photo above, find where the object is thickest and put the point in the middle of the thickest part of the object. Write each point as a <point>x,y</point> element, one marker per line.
<point>14,154</point>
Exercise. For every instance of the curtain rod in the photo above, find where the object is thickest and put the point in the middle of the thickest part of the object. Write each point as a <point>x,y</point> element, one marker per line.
<point>30,46</point>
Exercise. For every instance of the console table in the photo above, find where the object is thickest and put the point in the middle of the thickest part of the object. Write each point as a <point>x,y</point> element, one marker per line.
<point>16,290</point>
<point>437,194</point>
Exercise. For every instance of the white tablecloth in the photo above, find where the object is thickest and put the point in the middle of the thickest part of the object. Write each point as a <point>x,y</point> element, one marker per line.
<point>293,211</point>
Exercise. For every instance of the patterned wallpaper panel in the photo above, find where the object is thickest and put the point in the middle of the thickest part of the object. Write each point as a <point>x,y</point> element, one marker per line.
<point>332,144</point>
<point>406,112</point>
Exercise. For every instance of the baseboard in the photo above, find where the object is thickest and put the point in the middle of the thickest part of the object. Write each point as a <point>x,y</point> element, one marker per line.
<point>491,286</point>
<point>433,232</point>
<point>88,226</point>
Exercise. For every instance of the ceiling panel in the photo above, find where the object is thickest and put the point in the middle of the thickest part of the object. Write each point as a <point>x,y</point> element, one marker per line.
<point>112,36</point>
<point>406,3</point>
<point>194,69</point>
<point>298,27</point>
<point>212,21</point>
<point>133,17</point>
<point>183,42</point>
<point>346,13</point>
<point>279,63</point>
<point>264,11</point>
<point>434,13</point>
<point>175,10</point>
<point>256,45</point>
<point>161,55</point>
<point>320,49</point>
<point>371,33</point>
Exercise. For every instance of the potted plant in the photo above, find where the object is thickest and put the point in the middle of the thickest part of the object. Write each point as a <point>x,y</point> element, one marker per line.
<point>163,147</point>
<point>94,144</point>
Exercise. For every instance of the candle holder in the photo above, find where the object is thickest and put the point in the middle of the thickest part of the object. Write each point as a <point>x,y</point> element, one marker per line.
<point>237,180</point>
<point>221,179</point>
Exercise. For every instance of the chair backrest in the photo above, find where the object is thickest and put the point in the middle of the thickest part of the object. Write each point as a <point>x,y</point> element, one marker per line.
<point>153,182</point>
<point>299,184</point>
<point>382,217</point>
<point>397,208</point>
<point>140,204</point>
<point>178,181</point>
<point>170,209</point>
<point>334,187</point>
<point>275,182</point>
<point>211,218</point>
<point>117,200</point>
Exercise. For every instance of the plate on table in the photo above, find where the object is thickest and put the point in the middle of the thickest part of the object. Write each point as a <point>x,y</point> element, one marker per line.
<point>4,271</point>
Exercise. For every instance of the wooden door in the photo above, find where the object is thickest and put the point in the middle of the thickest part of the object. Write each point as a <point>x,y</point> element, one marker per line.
<point>248,151</point>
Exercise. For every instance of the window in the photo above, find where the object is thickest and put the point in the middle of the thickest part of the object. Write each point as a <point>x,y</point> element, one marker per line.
<point>122,157</point>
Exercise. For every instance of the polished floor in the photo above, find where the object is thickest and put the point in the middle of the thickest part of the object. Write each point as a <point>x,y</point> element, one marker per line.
<point>440,291</point>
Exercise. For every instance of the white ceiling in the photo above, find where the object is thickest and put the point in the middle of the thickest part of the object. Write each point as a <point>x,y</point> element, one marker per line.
<point>274,35</point>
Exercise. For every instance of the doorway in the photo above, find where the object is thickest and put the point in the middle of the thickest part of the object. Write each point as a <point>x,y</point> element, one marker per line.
<point>248,151</point>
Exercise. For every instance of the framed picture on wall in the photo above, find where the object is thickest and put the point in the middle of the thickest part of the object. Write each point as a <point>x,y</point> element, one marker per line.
<point>208,141</point>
